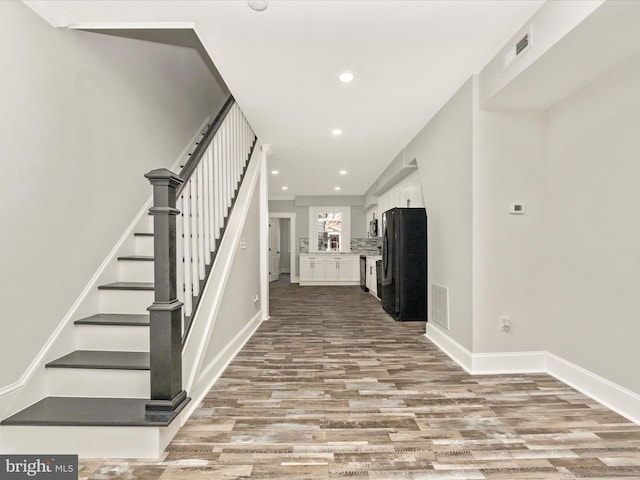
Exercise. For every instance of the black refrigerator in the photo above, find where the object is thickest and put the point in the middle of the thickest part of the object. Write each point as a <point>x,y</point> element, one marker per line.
<point>404,264</point>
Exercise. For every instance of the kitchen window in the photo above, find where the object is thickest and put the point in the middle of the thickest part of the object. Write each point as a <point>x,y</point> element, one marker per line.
<point>329,229</point>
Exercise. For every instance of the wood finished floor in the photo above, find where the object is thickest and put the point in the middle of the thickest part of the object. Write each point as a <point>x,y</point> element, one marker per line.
<point>330,387</point>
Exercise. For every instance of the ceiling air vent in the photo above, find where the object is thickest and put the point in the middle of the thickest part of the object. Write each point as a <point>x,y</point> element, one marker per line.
<point>517,50</point>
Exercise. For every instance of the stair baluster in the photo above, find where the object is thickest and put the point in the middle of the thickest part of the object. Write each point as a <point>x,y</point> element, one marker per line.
<point>187,238</point>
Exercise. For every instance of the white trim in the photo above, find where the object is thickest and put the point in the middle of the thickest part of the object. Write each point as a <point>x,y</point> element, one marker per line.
<point>90,286</point>
<point>292,239</point>
<point>51,11</point>
<point>508,362</point>
<point>210,374</point>
<point>611,395</point>
<point>133,26</point>
<point>264,233</point>
<point>345,235</point>
<point>448,345</point>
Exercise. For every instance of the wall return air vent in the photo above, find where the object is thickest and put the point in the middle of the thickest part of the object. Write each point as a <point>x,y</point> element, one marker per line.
<point>440,305</point>
<point>521,47</point>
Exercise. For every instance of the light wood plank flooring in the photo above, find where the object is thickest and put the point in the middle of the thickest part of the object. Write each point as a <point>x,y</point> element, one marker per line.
<point>331,387</point>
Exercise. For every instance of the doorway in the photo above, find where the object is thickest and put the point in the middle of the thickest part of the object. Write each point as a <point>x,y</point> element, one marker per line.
<point>282,247</point>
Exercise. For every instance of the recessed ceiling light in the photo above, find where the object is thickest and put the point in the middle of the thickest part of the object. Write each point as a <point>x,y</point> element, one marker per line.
<point>336,132</point>
<point>258,5</point>
<point>343,172</point>
<point>336,188</point>
<point>346,77</point>
<point>274,172</point>
<point>285,188</point>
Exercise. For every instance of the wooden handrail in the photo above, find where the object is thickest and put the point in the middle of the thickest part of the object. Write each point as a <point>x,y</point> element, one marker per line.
<point>196,155</point>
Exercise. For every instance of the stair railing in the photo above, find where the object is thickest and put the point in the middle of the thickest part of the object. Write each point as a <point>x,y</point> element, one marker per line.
<point>190,213</point>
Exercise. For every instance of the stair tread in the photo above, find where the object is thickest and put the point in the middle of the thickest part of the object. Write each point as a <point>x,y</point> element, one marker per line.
<point>102,359</point>
<point>127,286</point>
<point>137,258</point>
<point>143,234</point>
<point>126,319</point>
<point>86,411</point>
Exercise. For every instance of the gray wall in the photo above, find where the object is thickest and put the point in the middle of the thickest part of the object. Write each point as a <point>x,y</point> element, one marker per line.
<point>237,307</point>
<point>566,271</point>
<point>591,277</point>
<point>444,152</point>
<point>84,116</point>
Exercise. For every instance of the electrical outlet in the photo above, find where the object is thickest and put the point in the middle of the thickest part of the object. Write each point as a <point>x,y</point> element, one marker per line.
<point>505,324</point>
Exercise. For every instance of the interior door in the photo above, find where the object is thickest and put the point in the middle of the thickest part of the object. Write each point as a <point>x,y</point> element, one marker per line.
<point>274,249</point>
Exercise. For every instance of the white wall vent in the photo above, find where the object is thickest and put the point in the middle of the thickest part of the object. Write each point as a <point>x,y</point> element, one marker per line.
<point>518,49</point>
<point>440,305</point>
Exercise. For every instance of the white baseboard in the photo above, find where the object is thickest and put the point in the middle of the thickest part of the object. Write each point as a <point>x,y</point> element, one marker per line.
<point>448,345</point>
<point>508,362</point>
<point>613,396</point>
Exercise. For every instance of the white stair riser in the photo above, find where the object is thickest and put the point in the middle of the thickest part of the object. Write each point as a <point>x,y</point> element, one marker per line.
<point>144,245</point>
<point>112,337</point>
<point>88,442</point>
<point>146,224</point>
<point>105,383</point>
<point>135,271</point>
<point>125,301</point>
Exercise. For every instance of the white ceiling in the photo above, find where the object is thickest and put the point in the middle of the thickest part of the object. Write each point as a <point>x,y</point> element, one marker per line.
<point>281,65</point>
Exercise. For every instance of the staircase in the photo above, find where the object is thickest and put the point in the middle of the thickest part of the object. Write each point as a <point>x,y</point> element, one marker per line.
<point>104,384</point>
<point>100,396</point>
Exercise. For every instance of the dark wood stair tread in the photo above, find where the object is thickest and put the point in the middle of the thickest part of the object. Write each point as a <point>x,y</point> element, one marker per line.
<point>84,411</point>
<point>102,359</point>
<point>137,258</point>
<point>126,319</point>
<point>142,234</point>
<point>127,286</point>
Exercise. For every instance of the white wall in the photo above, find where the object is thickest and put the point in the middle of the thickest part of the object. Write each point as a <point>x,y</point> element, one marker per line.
<point>593,251</point>
<point>84,116</point>
<point>444,149</point>
<point>509,167</point>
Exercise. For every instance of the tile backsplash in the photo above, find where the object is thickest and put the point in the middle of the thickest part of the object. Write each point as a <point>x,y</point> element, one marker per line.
<point>371,246</point>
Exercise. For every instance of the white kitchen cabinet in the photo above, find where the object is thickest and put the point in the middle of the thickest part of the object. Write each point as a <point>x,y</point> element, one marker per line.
<point>311,268</point>
<point>328,269</point>
<point>371,275</point>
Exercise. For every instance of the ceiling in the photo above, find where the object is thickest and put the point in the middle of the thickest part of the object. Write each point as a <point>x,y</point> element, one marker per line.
<point>282,66</point>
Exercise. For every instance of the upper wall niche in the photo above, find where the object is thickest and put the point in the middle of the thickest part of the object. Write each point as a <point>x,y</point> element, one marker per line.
<point>605,39</point>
